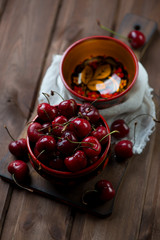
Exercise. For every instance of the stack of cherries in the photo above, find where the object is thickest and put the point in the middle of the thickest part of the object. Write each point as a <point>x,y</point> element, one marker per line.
<point>68,136</point>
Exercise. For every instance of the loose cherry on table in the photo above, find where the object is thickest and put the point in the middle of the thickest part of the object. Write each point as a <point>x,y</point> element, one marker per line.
<point>105,190</point>
<point>19,171</point>
<point>124,149</point>
<point>18,147</point>
<point>121,127</point>
<point>135,37</point>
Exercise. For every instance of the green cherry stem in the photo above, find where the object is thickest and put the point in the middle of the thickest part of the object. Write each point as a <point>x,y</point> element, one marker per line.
<point>19,185</point>
<point>111,31</point>
<point>115,131</point>
<point>46,96</point>
<point>53,92</point>
<point>144,114</point>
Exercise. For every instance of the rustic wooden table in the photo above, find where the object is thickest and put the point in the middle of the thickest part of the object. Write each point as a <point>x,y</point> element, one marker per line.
<point>31,31</point>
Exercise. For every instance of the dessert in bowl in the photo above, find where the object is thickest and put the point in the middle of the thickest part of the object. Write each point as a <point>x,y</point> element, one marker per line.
<point>68,145</point>
<point>101,68</point>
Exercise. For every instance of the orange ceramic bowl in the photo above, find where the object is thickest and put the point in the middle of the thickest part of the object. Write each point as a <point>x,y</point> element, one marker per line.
<point>66,177</point>
<point>91,47</point>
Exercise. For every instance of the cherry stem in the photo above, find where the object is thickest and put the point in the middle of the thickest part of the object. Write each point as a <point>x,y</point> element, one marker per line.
<point>111,31</point>
<point>52,94</point>
<point>19,185</point>
<point>115,131</point>
<point>46,96</point>
<point>40,153</point>
<point>79,142</point>
<point>9,133</point>
<point>144,114</point>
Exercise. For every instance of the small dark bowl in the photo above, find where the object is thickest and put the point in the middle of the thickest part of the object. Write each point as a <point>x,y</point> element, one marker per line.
<point>95,46</point>
<point>66,177</point>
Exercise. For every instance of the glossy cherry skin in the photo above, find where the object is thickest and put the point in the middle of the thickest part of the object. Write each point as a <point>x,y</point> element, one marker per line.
<point>18,148</point>
<point>56,162</point>
<point>80,126</point>
<point>76,162</point>
<point>47,112</point>
<point>35,131</point>
<point>67,143</point>
<point>123,149</point>
<point>68,108</point>
<point>57,125</point>
<point>122,128</point>
<point>89,112</point>
<point>19,169</point>
<point>105,190</point>
<point>100,132</point>
<point>46,143</point>
<point>91,146</point>
<point>136,39</point>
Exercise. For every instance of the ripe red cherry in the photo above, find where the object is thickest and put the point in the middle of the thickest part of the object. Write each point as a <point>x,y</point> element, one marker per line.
<point>18,148</point>
<point>76,162</point>
<point>46,112</point>
<point>81,127</point>
<point>136,39</point>
<point>35,131</point>
<point>68,108</point>
<point>122,128</point>
<point>123,149</point>
<point>105,190</point>
<point>19,169</point>
<point>56,162</point>
<point>67,143</point>
<point>89,112</point>
<point>91,146</point>
<point>46,143</point>
<point>100,132</point>
<point>57,125</point>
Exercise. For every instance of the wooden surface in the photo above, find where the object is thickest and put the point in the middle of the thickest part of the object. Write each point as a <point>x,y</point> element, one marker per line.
<point>30,33</point>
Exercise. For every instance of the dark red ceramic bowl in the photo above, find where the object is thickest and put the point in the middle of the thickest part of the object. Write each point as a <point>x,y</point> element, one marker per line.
<point>66,177</point>
<point>89,48</point>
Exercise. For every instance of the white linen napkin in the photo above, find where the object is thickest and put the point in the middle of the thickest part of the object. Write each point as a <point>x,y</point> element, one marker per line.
<point>139,101</point>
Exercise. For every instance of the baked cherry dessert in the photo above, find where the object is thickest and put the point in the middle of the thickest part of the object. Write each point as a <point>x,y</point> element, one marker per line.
<point>66,149</point>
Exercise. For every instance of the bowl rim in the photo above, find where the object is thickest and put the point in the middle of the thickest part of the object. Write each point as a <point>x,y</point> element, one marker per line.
<point>125,46</point>
<point>69,174</point>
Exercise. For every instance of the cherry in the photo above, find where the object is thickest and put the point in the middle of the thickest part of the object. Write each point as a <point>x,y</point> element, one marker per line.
<point>67,143</point>
<point>68,108</point>
<point>46,143</point>
<point>136,39</point>
<point>47,112</point>
<point>18,147</point>
<point>35,131</point>
<point>89,112</point>
<point>76,162</point>
<point>123,149</point>
<point>105,190</point>
<point>81,127</point>
<point>57,125</point>
<point>91,146</point>
<point>19,169</point>
<point>100,132</point>
<point>56,163</point>
<point>46,127</point>
<point>122,128</point>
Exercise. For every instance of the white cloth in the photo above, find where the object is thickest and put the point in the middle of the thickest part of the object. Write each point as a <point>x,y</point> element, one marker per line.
<point>138,101</point>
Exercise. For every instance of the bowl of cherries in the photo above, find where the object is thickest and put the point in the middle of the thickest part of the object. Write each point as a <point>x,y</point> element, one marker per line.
<point>68,142</point>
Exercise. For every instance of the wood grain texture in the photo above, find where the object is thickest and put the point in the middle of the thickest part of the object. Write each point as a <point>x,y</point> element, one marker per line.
<point>25,32</point>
